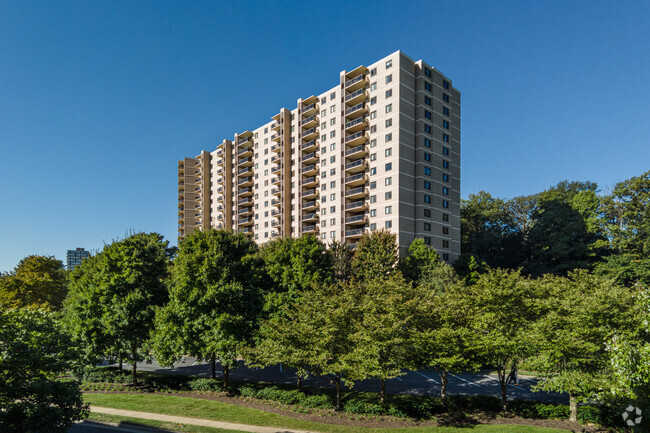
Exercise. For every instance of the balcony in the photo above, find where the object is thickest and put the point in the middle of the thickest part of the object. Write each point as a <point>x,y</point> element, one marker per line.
<point>275,234</point>
<point>220,162</point>
<point>355,166</point>
<point>220,171</point>
<point>310,145</point>
<point>275,212</point>
<point>276,170</point>
<point>309,121</point>
<point>246,171</point>
<point>310,217</point>
<point>220,198</point>
<point>356,179</point>
<point>219,153</point>
<point>220,208</point>
<point>310,109</point>
<point>357,124</point>
<point>356,111</point>
<point>310,193</point>
<point>247,181</point>
<point>355,83</point>
<point>245,201</point>
<point>245,162</point>
<point>309,229</point>
<point>310,205</point>
<point>220,180</point>
<point>276,202</point>
<point>276,148</point>
<point>275,158</point>
<point>276,191</point>
<point>356,152</point>
<point>309,134</point>
<point>243,192</point>
<point>248,138</point>
<point>245,221</point>
<point>356,138</point>
<point>310,169</point>
<point>245,230</point>
<point>355,233</point>
<point>357,205</point>
<point>276,126</point>
<point>275,223</point>
<point>356,97</point>
<point>276,180</point>
<point>310,157</point>
<point>310,181</point>
<point>220,217</point>
<point>276,137</point>
<point>356,192</point>
<point>247,151</point>
<point>357,219</point>
<point>245,211</point>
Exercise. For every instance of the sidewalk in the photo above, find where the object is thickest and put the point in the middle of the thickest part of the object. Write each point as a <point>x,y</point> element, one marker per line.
<point>192,421</point>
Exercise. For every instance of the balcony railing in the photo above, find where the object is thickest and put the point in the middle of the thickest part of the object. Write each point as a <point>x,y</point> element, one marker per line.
<point>309,179</point>
<point>275,212</point>
<point>355,219</point>
<point>354,232</point>
<point>309,229</point>
<point>310,216</point>
<point>244,150</point>
<point>245,200</point>
<point>308,107</point>
<point>354,164</point>
<point>244,211</point>
<point>354,122</point>
<point>355,94</point>
<point>309,191</point>
<point>310,203</point>
<point>244,170</point>
<point>245,190</point>
<point>308,132</point>
<point>355,204</point>
<point>309,156</point>
<point>354,177</point>
<point>308,144</point>
<point>309,119</point>
<point>354,136</point>
<point>354,191</point>
<point>354,80</point>
<point>354,108</point>
<point>355,150</point>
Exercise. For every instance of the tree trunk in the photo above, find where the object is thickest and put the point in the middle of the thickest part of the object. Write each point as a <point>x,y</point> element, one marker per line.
<point>135,372</point>
<point>225,376</point>
<point>337,382</point>
<point>299,383</point>
<point>444,380</point>
<point>214,367</point>
<point>573,408</point>
<point>382,388</point>
<point>119,364</point>
<point>502,382</point>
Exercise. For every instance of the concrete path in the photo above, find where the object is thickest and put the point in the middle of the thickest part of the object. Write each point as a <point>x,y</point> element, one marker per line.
<point>192,421</point>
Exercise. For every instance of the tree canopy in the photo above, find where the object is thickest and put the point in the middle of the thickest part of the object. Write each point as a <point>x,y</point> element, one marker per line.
<point>36,281</point>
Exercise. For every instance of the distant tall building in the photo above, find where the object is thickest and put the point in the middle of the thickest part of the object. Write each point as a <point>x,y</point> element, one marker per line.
<point>379,150</point>
<point>74,257</point>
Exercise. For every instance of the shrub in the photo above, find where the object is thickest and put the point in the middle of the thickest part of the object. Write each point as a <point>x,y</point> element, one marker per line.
<point>202,384</point>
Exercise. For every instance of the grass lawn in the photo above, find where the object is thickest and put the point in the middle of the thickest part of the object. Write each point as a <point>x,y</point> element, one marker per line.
<point>214,410</point>
<point>125,420</point>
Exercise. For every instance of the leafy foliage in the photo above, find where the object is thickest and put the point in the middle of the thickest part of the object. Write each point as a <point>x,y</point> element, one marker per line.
<point>36,281</point>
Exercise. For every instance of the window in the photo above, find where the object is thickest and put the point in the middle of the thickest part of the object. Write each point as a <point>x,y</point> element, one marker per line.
<point>323,187</point>
<point>323,174</point>
<point>445,177</point>
<point>427,171</point>
<point>373,212</point>
<point>445,84</point>
<point>323,236</point>
<point>427,129</point>
<point>389,78</point>
<point>445,150</point>
<point>388,166</point>
<point>388,151</point>
<point>373,171</point>
<point>323,162</point>
<point>332,95</point>
<point>445,257</point>
<point>332,171</point>
<point>373,72</point>
<point>445,204</point>
<point>323,211</point>
<point>373,142</point>
<point>323,149</point>
<point>323,101</point>
<point>427,184</point>
<point>373,199</point>
<point>427,142</point>
<point>332,221</point>
<point>322,114</point>
<point>323,199</point>
<point>445,190</point>
<point>445,164</point>
<point>333,208</point>
<point>427,100</point>
<point>332,234</point>
<point>427,156</point>
<point>445,124</point>
<point>445,97</point>
<point>373,227</point>
<point>266,234</point>
<point>427,240</point>
<point>388,181</point>
<point>373,114</point>
<point>323,224</point>
<point>445,111</point>
<point>332,198</point>
<point>427,86</point>
<point>389,123</point>
<point>333,184</point>
<point>333,121</point>
<point>389,93</point>
<point>373,185</point>
<point>388,195</point>
<point>373,156</point>
<point>323,137</point>
<point>445,138</point>
<point>389,108</point>
<point>427,114</point>
<point>332,159</point>
<point>373,129</point>
<point>388,210</point>
<point>373,86</point>
<point>333,109</point>
<point>445,244</point>
<point>427,227</point>
<point>388,224</point>
<point>427,198</point>
<point>373,100</point>
<point>427,213</point>
<point>445,217</point>
<point>389,137</point>
<point>427,72</point>
<point>332,134</point>
<point>389,63</point>
<point>333,146</point>
<point>445,230</point>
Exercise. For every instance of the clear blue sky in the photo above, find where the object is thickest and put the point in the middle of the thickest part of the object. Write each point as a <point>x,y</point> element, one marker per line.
<point>100,99</point>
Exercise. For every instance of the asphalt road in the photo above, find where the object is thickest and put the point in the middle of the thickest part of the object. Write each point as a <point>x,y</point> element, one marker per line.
<point>423,382</point>
<point>93,427</point>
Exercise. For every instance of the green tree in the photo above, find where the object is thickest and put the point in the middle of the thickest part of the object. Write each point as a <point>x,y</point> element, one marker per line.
<point>579,315</point>
<point>341,255</point>
<point>376,256</point>
<point>34,353</point>
<point>420,258</point>
<point>113,297</point>
<point>216,299</point>
<point>35,281</point>
<point>506,306</point>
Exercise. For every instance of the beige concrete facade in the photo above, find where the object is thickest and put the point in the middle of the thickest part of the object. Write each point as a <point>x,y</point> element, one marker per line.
<point>379,150</point>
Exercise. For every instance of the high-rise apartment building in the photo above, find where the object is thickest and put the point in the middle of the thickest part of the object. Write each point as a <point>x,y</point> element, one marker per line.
<point>380,150</point>
<point>74,257</point>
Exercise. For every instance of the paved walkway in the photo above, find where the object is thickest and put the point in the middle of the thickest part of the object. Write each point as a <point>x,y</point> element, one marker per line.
<point>192,421</point>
